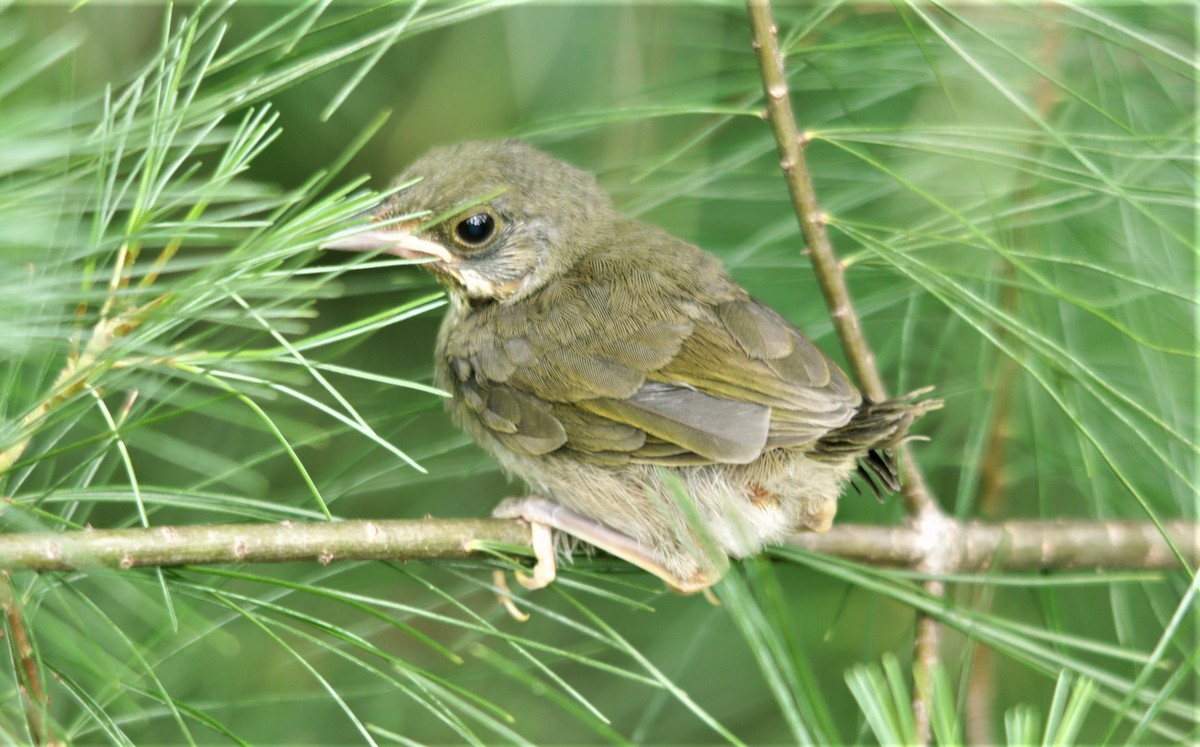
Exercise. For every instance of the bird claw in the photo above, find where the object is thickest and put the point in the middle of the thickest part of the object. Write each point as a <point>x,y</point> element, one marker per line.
<point>546,568</point>
<point>504,594</point>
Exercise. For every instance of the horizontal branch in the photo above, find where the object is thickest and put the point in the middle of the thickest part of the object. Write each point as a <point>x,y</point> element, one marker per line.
<point>287,542</point>
<point>969,546</point>
<point>1023,545</point>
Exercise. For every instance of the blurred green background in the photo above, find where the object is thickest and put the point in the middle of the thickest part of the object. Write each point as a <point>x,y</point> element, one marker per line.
<point>1011,187</point>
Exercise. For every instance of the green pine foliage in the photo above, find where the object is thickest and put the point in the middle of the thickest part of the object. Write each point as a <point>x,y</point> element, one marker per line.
<point>1011,188</point>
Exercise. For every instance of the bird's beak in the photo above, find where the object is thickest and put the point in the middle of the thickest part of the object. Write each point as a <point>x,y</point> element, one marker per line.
<point>397,239</point>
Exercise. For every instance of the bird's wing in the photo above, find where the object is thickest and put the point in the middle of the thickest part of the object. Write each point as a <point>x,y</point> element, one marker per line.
<point>764,360</point>
<point>707,375</point>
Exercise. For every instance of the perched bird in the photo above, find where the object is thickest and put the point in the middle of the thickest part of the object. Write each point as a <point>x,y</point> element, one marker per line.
<point>609,364</point>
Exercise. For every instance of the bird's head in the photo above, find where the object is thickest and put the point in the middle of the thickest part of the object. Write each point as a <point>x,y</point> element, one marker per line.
<point>499,218</point>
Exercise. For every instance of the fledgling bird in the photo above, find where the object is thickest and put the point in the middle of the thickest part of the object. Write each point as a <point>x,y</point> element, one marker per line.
<point>607,362</point>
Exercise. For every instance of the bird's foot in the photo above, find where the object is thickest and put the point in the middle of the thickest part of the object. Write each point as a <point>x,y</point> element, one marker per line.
<point>545,569</point>
<point>543,514</point>
<point>504,594</point>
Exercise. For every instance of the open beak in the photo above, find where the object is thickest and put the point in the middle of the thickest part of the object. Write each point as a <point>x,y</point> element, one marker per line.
<point>397,239</point>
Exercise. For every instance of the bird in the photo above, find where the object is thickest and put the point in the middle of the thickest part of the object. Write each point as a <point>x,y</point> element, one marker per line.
<point>655,409</point>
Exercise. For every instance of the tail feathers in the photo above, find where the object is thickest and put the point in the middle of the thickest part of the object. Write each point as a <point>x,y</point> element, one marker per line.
<point>871,434</point>
<point>878,470</point>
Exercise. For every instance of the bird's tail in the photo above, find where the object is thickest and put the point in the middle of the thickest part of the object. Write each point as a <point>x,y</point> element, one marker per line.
<point>871,435</point>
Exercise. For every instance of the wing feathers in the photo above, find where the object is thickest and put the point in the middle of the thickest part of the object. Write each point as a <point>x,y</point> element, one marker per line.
<point>689,371</point>
<point>759,331</point>
<point>719,430</point>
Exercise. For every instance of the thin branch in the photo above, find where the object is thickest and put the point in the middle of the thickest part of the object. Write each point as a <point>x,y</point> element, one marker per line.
<point>926,516</point>
<point>28,672</point>
<point>285,542</point>
<point>829,271</point>
<point>1028,545</point>
<point>1023,545</point>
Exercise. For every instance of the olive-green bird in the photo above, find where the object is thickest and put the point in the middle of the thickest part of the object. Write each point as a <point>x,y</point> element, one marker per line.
<point>596,356</point>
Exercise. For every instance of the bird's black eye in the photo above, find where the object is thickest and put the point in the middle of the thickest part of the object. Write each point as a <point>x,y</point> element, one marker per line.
<point>476,229</point>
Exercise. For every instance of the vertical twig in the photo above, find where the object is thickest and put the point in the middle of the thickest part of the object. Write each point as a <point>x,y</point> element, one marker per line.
<point>25,663</point>
<point>830,272</point>
<point>828,269</point>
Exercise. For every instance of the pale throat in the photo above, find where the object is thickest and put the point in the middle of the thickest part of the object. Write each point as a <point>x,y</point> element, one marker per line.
<point>476,287</point>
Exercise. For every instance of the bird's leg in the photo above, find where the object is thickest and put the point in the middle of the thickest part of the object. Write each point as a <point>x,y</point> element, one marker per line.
<point>546,568</point>
<point>544,514</point>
